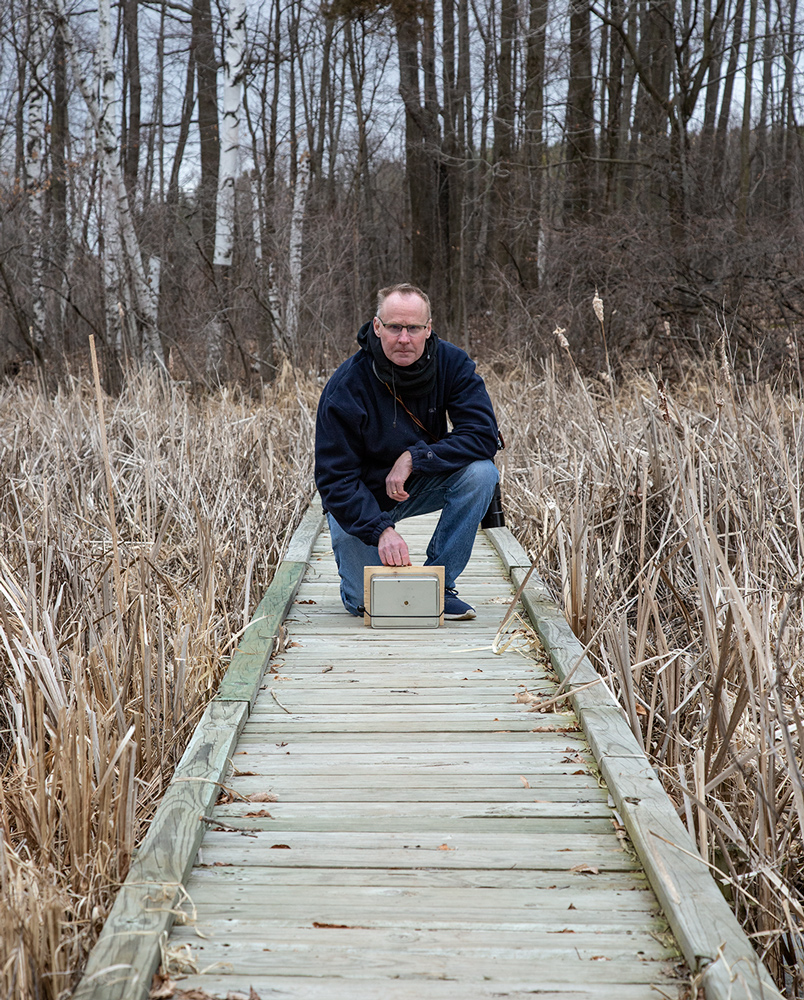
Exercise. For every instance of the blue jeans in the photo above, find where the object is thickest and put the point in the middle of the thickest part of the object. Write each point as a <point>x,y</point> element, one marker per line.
<point>462,497</point>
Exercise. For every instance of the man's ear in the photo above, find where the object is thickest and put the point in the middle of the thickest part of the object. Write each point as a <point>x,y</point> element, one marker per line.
<point>376,324</point>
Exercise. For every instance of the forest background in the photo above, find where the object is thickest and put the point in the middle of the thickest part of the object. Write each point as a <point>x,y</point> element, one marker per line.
<point>604,201</point>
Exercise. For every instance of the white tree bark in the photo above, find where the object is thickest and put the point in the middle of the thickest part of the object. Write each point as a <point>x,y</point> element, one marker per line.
<point>295,252</point>
<point>104,121</point>
<point>111,248</point>
<point>256,211</point>
<point>234,64</point>
<point>35,152</point>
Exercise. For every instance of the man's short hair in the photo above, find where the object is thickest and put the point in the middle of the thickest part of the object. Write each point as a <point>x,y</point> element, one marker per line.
<point>404,288</point>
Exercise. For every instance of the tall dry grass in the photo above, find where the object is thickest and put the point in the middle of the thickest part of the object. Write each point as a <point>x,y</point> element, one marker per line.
<point>675,527</point>
<point>114,632</point>
<point>675,543</point>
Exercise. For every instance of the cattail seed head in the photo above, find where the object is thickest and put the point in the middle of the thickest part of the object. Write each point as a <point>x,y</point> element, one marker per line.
<point>558,333</point>
<point>597,305</point>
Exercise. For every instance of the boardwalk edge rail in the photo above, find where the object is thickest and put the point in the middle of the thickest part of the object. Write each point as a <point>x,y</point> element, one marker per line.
<point>714,945</point>
<point>129,949</point>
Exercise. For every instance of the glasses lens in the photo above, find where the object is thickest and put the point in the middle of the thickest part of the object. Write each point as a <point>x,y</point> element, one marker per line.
<point>396,330</point>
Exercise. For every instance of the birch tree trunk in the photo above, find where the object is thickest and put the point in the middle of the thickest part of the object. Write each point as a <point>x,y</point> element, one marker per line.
<point>111,248</point>
<point>233,69</point>
<point>133,270</point>
<point>34,156</point>
<point>295,254</point>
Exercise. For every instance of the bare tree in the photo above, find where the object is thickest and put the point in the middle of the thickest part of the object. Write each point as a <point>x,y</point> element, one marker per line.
<point>234,63</point>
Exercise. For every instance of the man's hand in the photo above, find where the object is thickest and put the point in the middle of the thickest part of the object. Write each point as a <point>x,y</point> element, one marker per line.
<point>393,549</point>
<point>396,479</point>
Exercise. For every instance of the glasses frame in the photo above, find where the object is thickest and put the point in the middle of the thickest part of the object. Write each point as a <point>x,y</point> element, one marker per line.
<point>413,330</point>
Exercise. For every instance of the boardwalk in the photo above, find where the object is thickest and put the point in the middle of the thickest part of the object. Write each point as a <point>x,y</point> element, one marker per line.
<point>399,826</point>
<point>431,837</point>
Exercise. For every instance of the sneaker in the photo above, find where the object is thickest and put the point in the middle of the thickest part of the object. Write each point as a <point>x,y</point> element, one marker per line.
<point>456,610</point>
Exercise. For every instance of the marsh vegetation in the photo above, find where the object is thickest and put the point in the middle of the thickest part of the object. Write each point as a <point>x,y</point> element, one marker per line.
<point>139,532</point>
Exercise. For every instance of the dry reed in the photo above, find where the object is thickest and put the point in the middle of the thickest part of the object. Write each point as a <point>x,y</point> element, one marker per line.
<point>675,544</point>
<point>672,532</point>
<point>114,634</point>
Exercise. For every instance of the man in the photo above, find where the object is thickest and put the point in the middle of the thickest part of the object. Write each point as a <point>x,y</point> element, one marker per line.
<point>383,450</point>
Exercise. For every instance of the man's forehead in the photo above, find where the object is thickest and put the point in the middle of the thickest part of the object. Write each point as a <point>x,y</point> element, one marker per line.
<point>404,300</point>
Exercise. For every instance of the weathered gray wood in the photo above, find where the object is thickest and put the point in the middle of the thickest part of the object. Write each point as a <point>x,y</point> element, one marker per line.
<point>369,812</point>
<point>250,660</point>
<point>126,955</point>
<point>553,941</point>
<point>205,880</point>
<point>306,535</point>
<point>547,907</point>
<point>559,967</point>
<point>507,985</point>
<point>710,937</point>
<point>121,964</point>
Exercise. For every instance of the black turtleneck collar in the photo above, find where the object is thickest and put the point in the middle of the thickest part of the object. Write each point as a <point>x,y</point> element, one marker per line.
<point>413,380</point>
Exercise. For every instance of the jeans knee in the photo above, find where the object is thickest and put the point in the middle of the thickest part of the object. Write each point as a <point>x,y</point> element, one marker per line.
<point>481,476</point>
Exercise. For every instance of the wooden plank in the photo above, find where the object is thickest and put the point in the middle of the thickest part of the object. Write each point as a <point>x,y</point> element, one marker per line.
<point>346,821</point>
<point>126,955</point>
<point>389,750</point>
<point>368,811</point>
<point>250,660</point>
<point>306,535</point>
<point>204,880</point>
<point>564,966</point>
<point>309,988</point>
<point>554,941</point>
<point>547,908</point>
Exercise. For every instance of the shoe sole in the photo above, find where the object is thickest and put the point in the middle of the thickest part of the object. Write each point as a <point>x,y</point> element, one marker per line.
<point>464,617</point>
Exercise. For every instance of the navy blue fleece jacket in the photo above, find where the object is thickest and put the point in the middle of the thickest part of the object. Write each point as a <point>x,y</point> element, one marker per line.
<point>361,431</point>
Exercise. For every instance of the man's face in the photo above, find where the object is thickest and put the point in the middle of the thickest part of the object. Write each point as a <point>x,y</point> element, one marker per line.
<point>400,310</point>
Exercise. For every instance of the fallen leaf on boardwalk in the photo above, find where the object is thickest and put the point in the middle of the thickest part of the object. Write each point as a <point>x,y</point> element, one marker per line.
<point>446,847</point>
<point>600,958</point>
<point>243,774</point>
<point>162,986</point>
<point>292,644</point>
<point>262,797</point>
<point>524,697</point>
<point>282,847</point>
<point>585,869</point>
<point>556,729</point>
<point>306,602</point>
<point>566,930</point>
<point>339,927</point>
<point>574,758</point>
<point>582,771</point>
<point>327,669</point>
<point>572,906</point>
<point>619,829</point>
<point>262,812</point>
<point>524,780</point>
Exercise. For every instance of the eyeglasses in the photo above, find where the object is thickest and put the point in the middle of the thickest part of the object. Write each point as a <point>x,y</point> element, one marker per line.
<point>396,330</point>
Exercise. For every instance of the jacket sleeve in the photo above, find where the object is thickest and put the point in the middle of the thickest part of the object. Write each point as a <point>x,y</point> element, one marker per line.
<point>474,427</point>
<point>338,469</point>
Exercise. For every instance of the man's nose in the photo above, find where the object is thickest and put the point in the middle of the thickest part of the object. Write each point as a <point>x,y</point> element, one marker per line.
<point>405,335</point>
